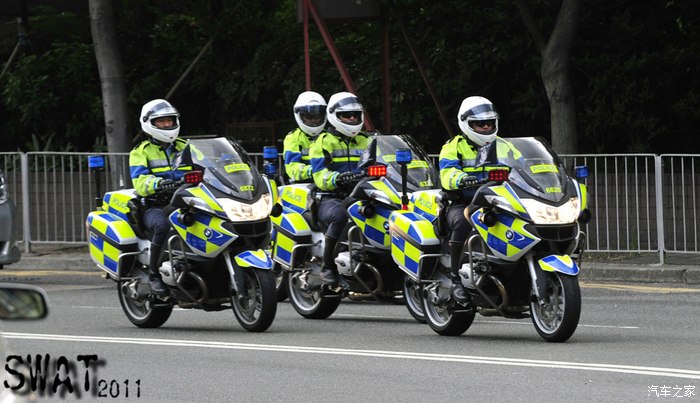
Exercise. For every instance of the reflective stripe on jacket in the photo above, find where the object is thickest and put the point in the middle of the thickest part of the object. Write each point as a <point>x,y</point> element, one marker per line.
<point>333,153</point>
<point>297,163</point>
<point>149,163</point>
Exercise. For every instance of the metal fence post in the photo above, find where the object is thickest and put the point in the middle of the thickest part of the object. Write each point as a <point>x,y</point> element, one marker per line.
<point>26,222</point>
<point>659,208</point>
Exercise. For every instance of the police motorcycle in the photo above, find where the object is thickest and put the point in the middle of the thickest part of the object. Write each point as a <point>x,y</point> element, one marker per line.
<point>523,255</point>
<point>393,166</point>
<point>214,258</point>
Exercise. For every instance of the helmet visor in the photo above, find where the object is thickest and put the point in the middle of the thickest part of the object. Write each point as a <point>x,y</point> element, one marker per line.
<point>160,109</point>
<point>483,111</point>
<point>345,102</point>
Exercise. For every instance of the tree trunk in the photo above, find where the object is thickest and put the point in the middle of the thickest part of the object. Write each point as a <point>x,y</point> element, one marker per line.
<point>111,72</point>
<point>555,72</point>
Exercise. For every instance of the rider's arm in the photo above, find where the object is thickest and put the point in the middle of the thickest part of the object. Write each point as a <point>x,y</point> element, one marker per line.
<point>144,181</point>
<point>324,178</point>
<point>450,166</point>
<point>293,165</point>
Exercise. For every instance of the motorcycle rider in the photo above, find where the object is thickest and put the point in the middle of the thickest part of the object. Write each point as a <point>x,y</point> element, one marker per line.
<point>310,114</point>
<point>151,172</point>
<point>478,122</point>
<point>334,158</point>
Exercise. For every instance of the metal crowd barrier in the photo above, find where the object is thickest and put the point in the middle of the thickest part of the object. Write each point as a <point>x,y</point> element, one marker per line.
<point>640,202</point>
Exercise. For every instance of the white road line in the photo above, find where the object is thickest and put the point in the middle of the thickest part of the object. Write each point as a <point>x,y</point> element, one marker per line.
<point>518,362</point>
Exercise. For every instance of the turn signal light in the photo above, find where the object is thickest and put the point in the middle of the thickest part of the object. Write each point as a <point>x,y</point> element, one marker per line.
<point>194,177</point>
<point>376,171</point>
<point>498,175</point>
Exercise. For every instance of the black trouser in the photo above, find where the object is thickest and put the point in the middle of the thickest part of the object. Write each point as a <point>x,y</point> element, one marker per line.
<point>157,223</point>
<point>332,218</point>
<point>459,229</point>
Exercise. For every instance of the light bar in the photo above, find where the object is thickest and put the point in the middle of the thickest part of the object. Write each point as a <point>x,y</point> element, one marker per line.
<point>498,175</point>
<point>194,177</point>
<point>376,171</point>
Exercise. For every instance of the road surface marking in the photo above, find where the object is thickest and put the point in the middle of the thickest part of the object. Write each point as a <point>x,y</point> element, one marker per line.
<point>516,362</point>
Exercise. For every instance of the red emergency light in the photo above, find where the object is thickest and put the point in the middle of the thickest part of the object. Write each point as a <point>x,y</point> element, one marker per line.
<point>194,177</point>
<point>376,171</point>
<point>498,175</point>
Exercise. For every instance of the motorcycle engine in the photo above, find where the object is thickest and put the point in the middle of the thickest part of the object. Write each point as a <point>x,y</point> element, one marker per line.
<point>342,262</point>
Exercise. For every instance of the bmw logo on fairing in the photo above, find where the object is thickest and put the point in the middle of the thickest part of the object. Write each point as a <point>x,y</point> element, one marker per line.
<point>207,233</point>
<point>510,235</point>
<point>386,225</point>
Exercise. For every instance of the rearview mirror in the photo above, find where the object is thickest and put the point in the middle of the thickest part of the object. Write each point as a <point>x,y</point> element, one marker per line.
<point>22,301</point>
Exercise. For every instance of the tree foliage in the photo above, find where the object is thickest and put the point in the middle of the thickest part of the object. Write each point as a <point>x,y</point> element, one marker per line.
<point>633,67</point>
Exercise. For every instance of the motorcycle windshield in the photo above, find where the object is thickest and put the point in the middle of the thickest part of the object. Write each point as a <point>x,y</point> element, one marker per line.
<point>226,165</point>
<point>535,167</point>
<point>421,171</point>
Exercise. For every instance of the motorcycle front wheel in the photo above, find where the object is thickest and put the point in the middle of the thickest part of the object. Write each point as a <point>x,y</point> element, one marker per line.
<point>413,299</point>
<point>556,317</point>
<point>441,314</point>
<point>311,304</point>
<point>143,312</point>
<point>255,309</point>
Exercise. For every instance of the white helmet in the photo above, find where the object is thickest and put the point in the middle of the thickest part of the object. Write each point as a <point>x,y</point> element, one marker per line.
<point>475,109</point>
<point>310,112</point>
<point>159,108</point>
<point>345,103</point>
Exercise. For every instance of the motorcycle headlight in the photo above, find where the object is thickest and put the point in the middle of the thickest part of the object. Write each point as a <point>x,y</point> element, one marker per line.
<point>545,214</point>
<point>237,211</point>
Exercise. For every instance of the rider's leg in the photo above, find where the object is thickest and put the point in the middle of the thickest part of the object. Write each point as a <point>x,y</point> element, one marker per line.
<point>459,230</point>
<point>156,222</point>
<point>330,213</point>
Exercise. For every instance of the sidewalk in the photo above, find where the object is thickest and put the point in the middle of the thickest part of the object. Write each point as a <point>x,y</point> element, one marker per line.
<point>629,268</point>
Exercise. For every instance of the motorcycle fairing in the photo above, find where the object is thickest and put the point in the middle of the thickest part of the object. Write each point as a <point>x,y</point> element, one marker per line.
<point>207,236</point>
<point>559,263</point>
<point>117,202</point>
<point>507,192</point>
<point>508,238</point>
<point>292,222</point>
<point>384,190</point>
<point>426,203</point>
<point>376,228</point>
<point>254,258</point>
<point>295,197</point>
<point>201,197</point>
<point>109,236</point>
<point>412,235</point>
<point>582,192</point>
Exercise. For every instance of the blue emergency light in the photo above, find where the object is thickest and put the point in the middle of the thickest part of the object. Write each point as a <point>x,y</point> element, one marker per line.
<point>269,152</point>
<point>581,171</point>
<point>403,155</point>
<point>96,162</point>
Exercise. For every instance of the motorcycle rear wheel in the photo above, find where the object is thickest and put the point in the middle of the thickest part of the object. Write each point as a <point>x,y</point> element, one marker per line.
<point>557,318</point>
<point>143,313</point>
<point>257,309</point>
<point>316,304</point>
<point>414,301</point>
<point>443,317</point>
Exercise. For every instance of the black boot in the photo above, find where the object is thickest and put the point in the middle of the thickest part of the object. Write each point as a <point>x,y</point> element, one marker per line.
<point>155,281</point>
<point>459,294</point>
<point>329,270</point>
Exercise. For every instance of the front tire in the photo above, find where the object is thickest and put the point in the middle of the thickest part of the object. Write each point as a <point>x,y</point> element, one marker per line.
<point>144,312</point>
<point>441,313</point>
<point>311,304</point>
<point>556,318</point>
<point>257,309</point>
<point>412,295</point>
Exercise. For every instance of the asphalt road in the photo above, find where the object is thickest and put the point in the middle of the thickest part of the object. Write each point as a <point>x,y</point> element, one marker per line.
<point>633,343</point>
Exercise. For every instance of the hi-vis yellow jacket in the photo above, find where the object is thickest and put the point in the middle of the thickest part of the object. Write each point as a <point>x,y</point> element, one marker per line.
<point>297,163</point>
<point>332,154</point>
<point>149,163</point>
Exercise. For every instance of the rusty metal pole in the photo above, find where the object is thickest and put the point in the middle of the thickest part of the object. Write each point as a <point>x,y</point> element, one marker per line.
<point>336,57</point>
<point>307,57</point>
<point>386,78</point>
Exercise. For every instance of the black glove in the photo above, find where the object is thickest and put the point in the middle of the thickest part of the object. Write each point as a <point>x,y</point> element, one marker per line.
<point>467,181</point>
<point>347,178</point>
<point>166,184</point>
